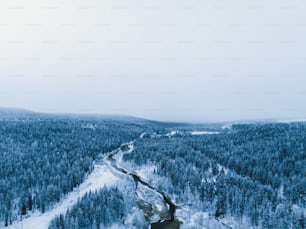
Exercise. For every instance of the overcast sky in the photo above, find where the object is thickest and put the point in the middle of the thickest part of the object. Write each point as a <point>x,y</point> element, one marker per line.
<point>195,60</point>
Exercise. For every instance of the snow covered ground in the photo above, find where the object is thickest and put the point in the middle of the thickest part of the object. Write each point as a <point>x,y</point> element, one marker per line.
<point>100,177</point>
<point>197,220</point>
<point>292,120</point>
<point>203,132</point>
<point>154,200</point>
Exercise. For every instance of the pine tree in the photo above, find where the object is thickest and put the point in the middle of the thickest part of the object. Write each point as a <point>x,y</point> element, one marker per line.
<point>23,209</point>
<point>30,202</point>
<point>221,196</point>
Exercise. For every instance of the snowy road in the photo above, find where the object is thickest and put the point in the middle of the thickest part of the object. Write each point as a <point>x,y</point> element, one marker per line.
<point>100,177</point>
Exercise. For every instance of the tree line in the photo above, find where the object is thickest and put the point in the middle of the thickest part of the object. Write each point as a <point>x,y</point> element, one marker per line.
<point>44,159</point>
<point>255,171</point>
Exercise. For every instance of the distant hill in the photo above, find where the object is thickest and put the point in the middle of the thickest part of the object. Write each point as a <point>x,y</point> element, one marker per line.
<point>16,114</point>
<point>6,110</point>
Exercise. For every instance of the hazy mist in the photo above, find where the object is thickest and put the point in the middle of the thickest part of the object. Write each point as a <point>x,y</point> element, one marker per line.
<point>164,59</point>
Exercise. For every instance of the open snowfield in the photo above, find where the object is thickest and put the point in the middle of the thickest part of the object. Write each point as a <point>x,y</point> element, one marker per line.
<point>100,177</point>
<point>203,132</point>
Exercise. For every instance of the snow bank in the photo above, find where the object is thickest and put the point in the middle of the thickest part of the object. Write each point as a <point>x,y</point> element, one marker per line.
<point>203,132</point>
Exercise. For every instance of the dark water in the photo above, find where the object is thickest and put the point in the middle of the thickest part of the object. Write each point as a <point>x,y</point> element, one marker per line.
<point>168,224</point>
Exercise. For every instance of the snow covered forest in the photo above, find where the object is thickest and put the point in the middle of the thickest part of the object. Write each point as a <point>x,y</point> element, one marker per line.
<point>163,175</point>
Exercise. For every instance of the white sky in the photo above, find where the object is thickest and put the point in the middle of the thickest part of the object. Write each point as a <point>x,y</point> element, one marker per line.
<point>195,60</point>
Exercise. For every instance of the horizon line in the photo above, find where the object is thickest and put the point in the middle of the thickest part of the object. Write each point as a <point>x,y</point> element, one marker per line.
<point>267,120</point>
